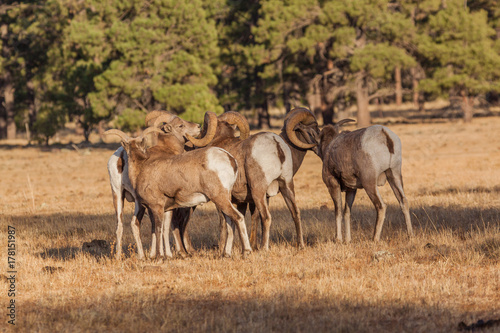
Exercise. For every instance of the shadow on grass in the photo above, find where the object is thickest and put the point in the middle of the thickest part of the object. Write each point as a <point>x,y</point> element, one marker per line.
<point>457,190</point>
<point>293,310</point>
<point>67,253</point>
<point>318,225</point>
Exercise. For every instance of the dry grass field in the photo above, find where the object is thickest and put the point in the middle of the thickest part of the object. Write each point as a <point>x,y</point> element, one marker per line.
<point>58,199</point>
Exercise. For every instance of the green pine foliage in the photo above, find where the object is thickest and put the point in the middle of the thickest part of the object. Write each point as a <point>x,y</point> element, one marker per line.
<point>160,58</point>
<point>114,61</point>
<point>460,44</point>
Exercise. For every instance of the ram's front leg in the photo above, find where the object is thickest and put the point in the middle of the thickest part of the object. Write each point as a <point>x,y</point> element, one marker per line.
<point>336,193</point>
<point>157,220</point>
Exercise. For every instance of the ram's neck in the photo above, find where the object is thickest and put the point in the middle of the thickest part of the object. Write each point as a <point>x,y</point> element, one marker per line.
<point>297,153</point>
<point>136,159</point>
<point>170,144</point>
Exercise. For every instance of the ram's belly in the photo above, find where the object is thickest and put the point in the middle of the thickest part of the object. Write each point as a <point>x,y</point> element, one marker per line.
<point>190,200</point>
<point>350,182</point>
<point>273,188</point>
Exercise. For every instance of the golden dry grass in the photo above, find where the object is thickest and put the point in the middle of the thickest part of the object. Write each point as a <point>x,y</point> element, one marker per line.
<point>59,199</point>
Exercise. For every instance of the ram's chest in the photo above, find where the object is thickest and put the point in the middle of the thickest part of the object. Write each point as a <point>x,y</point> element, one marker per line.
<point>340,165</point>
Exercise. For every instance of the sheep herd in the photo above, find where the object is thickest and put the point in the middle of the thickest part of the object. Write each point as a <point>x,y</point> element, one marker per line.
<point>175,165</point>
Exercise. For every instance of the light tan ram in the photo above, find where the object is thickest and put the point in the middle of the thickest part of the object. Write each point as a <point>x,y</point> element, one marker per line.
<point>122,189</point>
<point>165,178</point>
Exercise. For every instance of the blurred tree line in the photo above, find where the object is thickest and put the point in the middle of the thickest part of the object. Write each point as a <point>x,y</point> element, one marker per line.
<point>93,61</point>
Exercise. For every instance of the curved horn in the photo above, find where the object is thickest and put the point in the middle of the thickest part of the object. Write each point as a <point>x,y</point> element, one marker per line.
<point>236,118</point>
<point>155,114</point>
<point>122,135</point>
<point>164,118</point>
<point>211,123</point>
<point>344,121</point>
<point>300,115</point>
<point>151,130</point>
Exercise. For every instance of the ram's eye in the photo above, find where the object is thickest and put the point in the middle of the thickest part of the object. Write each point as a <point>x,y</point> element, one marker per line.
<point>181,126</point>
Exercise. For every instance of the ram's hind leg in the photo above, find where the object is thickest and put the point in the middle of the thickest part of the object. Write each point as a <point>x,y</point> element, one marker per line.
<point>236,218</point>
<point>255,220</point>
<point>349,200</point>
<point>223,232</point>
<point>157,221</point>
<point>370,186</point>
<point>180,219</point>
<point>336,194</point>
<point>118,199</point>
<point>135,224</point>
<point>186,239</point>
<point>395,179</point>
<point>259,197</point>
<point>287,190</point>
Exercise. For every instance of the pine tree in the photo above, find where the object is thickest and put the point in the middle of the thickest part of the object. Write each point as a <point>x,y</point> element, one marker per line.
<point>9,64</point>
<point>241,85</point>
<point>281,24</point>
<point>354,48</point>
<point>160,58</point>
<point>459,42</point>
<point>31,27</point>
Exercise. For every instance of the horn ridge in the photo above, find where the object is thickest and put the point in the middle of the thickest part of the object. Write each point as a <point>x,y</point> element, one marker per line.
<point>151,116</point>
<point>211,123</point>
<point>236,118</point>
<point>296,116</point>
<point>119,133</point>
<point>164,118</point>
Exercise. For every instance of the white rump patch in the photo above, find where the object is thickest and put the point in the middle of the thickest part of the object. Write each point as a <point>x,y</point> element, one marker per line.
<point>265,152</point>
<point>374,143</point>
<point>218,161</point>
<point>120,181</point>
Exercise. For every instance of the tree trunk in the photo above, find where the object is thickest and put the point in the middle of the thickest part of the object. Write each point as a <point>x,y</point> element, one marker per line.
<point>399,88</point>
<point>9,108</point>
<point>263,120</point>
<point>34,105</point>
<point>263,116</point>
<point>100,130</point>
<point>28,133</point>
<point>364,118</point>
<point>86,134</point>
<point>421,103</point>
<point>467,107</point>
<point>414,82</point>
<point>342,112</point>
<point>3,122</point>
<point>327,113</point>
<point>314,96</point>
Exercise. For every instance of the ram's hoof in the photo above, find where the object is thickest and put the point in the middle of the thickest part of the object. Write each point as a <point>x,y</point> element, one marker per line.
<point>246,253</point>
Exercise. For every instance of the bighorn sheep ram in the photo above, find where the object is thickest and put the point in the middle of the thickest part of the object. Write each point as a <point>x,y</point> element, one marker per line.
<point>122,189</point>
<point>165,178</point>
<point>364,158</point>
<point>267,163</point>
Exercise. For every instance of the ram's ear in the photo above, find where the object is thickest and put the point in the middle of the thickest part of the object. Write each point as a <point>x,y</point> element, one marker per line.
<point>168,128</point>
<point>142,143</point>
<point>137,148</point>
<point>126,145</point>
